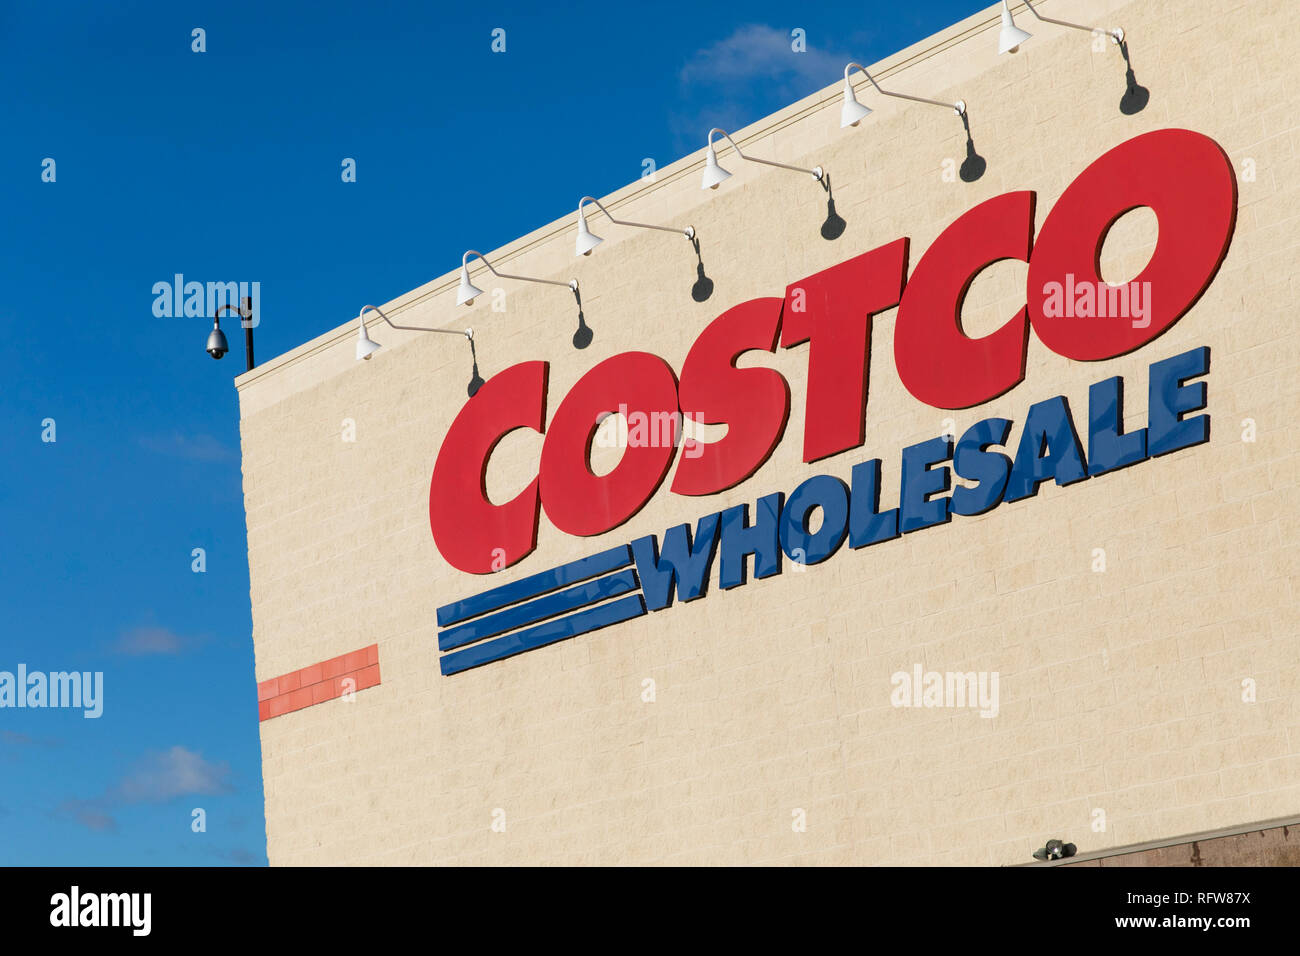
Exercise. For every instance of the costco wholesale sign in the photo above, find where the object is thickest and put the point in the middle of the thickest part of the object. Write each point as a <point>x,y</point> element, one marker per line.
<point>1183,176</point>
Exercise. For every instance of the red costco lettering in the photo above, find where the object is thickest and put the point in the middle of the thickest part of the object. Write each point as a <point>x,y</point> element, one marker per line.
<point>577,500</point>
<point>473,534</point>
<point>753,403</point>
<point>836,319</point>
<point>1188,181</point>
<point>936,361</point>
<point>1183,176</point>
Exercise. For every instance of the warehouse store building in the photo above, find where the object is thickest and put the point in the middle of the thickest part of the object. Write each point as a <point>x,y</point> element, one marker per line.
<point>934,498</point>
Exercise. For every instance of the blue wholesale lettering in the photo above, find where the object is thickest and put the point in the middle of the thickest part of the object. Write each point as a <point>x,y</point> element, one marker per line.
<point>576,598</point>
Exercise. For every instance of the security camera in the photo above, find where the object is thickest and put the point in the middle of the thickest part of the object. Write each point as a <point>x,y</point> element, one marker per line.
<point>217,345</point>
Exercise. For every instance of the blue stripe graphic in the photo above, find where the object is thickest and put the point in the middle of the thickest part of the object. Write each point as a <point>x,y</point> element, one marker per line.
<point>535,585</point>
<point>538,610</point>
<point>624,609</point>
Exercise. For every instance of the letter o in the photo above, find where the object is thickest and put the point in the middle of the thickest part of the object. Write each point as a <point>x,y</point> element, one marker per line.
<point>575,499</point>
<point>820,491</point>
<point>1182,176</point>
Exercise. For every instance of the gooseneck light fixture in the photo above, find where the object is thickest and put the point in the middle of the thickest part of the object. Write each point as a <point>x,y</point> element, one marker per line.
<point>366,346</point>
<point>587,240</point>
<point>714,174</point>
<point>853,112</point>
<point>1011,36</point>
<point>468,292</point>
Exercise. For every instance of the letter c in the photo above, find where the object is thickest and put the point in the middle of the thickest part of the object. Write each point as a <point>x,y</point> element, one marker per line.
<point>937,362</point>
<point>473,534</point>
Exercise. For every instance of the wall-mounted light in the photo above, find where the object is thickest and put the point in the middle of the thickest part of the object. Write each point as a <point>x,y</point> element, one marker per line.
<point>1011,36</point>
<point>468,292</point>
<point>715,174</point>
<point>1055,850</point>
<point>852,112</point>
<point>587,240</point>
<point>366,346</point>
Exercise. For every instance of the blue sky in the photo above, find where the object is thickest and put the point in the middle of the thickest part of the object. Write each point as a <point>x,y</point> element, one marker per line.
<point>225,166</point>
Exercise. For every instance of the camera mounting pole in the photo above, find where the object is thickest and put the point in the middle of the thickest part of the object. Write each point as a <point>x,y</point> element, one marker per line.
<point>217,346</point>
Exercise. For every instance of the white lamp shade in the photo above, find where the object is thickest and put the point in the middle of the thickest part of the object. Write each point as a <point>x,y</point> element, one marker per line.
<point>586,239</point>
<point>852,111</point>
<point>713,173</point>
<point>1011,35</point>
<point>467,292</point>
<point>366,346</point>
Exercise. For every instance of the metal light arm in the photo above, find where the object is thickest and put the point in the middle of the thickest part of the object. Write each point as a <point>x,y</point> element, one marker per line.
<point>571,285</point>
<point>816,172</point>
<point>959,107</point>
<point>688,232</point>
<point>1116,35</point>
<point>468,333</point>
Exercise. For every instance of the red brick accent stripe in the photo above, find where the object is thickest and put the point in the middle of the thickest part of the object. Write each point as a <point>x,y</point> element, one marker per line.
<point>317,683</point>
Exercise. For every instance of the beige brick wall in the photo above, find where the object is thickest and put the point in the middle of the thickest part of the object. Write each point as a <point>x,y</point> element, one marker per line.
<point>1120,691</point>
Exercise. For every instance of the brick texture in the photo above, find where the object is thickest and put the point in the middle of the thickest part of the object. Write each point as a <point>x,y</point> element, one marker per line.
<point>318,683</point>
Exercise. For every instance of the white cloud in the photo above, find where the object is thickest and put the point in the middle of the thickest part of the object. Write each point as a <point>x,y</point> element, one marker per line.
<point>150,640</point>
<point>756,52</point>
<point>173,773</point>
<point>156,778</point>
<point>203,448</point>
<point>746,76</point>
